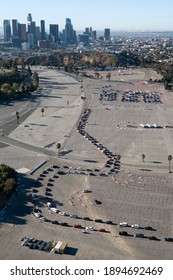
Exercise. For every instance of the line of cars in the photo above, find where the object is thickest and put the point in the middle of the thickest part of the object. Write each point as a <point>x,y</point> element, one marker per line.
<point>139,234</point>
<point>108,94</point>
<point>102,148</point>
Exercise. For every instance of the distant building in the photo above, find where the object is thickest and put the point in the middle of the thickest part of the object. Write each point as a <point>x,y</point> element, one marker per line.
<point>70,34</point>
<point>43,33</point>
<point>25,46</point>
<point>7,30</point>
<point>31,39</point>
<point>22,31</point>
<point>54,30</point>
<point>29,18</point>
<point>84,38</point>
<point>107,34</point>
<point>15,27</point>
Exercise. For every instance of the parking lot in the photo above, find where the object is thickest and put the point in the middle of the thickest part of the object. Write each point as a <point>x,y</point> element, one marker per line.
<point>130,191</point>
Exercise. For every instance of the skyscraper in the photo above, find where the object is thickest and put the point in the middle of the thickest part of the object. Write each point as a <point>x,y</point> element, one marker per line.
<point>43,33</point>
<point>29,18</point>
<point>15,27</point>
<point>22,31</point>
<point>7,30</point>
<point>70,34</point>
<point>107,34</point>
<point>54,30</point>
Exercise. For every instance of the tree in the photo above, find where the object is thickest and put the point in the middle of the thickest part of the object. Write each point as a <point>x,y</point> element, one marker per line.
<point>108,76</point>
<point>169,159</point>
<point>42,111</point>
<point>118,157</point>
<point>17,116</point>
<point>58,147</point>
<point>143,157</point>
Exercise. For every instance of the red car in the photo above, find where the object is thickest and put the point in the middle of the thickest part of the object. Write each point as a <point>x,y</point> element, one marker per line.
<point>77,226</point>
<point>102,230</point>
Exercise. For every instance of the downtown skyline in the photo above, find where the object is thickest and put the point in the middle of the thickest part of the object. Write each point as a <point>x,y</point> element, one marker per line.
<point>155,15</point>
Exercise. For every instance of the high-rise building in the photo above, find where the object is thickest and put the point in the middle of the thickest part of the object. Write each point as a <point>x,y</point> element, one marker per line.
<point>54,30</point>
<point>70,34</point>
<point>43,33</point>
<point>84,38</point>
<point>22,31</point>
<point>32,29</point>
<point>107,34</point>
<point>7,30</point>
<point>29,18</point>
<point>15,27</point>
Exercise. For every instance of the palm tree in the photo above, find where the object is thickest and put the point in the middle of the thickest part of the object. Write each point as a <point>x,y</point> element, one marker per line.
<point>143,157</point>
<point>42,111</point>
<point>58,147</point>
<point>17,116</point>
<point>169,159</point>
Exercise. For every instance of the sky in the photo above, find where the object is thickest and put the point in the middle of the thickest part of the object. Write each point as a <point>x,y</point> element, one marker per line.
<point>118,15</point>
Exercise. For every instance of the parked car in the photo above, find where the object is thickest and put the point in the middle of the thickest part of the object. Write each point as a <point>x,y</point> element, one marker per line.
<point>87,191</point>
<point>102,230</point>
<point>139,235</point>
<point>77,226</point>
<point>55,222</point>
<point>62,213</point>
<point>135,226</point>
<point>89,228</point>
<point>125,233</point>
<point>152,238</point>
<point>123,224</point>
<point>64,224</point>
<point>169,239</point>
<point>86,218</point>
<point>98,221</point>
<point>74,216</point>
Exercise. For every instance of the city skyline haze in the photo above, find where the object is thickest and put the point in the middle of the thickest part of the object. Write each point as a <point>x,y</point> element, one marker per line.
<point>133,15</point>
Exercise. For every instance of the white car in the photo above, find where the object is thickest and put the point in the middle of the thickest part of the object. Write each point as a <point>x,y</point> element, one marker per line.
<point>89,228</point>
<point>62,213</point>
<point>135,226</point>
<point>55,210</point>
<point>123,224</point>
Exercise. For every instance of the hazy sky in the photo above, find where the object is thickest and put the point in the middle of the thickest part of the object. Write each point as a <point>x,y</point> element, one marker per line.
<point>130,15</point>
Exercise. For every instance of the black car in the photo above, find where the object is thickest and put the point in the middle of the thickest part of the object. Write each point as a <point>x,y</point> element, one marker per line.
<point>148,228</point>
<point>55,222</point>
<point>86,218</point>
<point>64,224</point>
<point>109,222</point>
<point>125,233</point>
<point>169,239</point>
<point>152,238</point>
<point>98,221</point>
<point>98,201</point>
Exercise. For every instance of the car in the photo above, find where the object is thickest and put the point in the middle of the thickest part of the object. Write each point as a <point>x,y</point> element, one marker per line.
<point>55,222</point>
<point>139,235</point>
<point>74,216</point>
<point>89,228</point>
<point>98,202</point>
<point>169,239</point>
<point>109,222</point>
<point>53,209</point>
<point>148,228</point>
<point>62,213</point>
<point>102,230</point>
<point>152,238</point>
<point>87,191</point>
<point>135,226</point>
<point>123,224</point>
<point>125,233</point>
<point>86,218</point>
<point>64,224</point>
<point>77,226</point>
<point>98,221</point>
